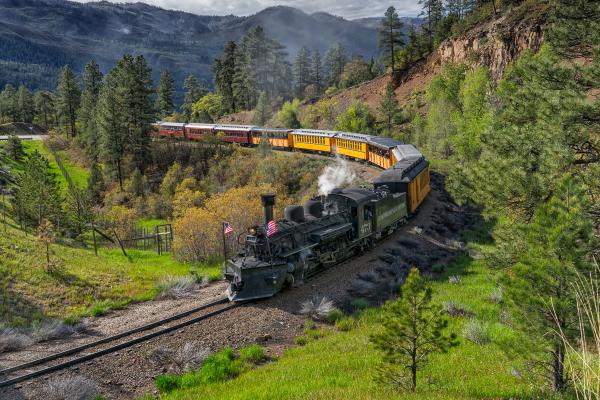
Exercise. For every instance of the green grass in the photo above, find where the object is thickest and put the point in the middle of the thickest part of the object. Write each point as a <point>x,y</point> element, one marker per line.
<point>150,223</point>
<point>82,283</point>
<point>342,365</point>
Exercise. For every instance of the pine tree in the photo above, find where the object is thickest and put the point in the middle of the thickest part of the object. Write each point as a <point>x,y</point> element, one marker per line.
<point>137,183</point>
<point>44,108</point>
<point>317,71</point>
<point>92,82</point>
<point>9,104</point>
<point>224,69</point>
<point>389,109</point>
<point>68,99</point>
<point>193,92</point>
<point>302,74</point>
<point>164,105</point>
<point>15,147</point>
<point>335,62</point>
<point>413,330</point>
<point>37,194</point>
<point>95,185</point>
<point>25,104</point>
<point>433,11</point>
<point>551,252</point>
<point>390,37</point>
<point>262,113</point>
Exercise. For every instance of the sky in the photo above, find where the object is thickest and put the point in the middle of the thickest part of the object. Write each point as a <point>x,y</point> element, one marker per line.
<point>349,9</point>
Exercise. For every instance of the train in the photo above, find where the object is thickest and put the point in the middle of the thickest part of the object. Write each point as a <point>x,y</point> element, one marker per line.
<point>327,229</point>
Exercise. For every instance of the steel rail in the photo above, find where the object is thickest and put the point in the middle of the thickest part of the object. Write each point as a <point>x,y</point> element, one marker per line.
<point>111,349</point>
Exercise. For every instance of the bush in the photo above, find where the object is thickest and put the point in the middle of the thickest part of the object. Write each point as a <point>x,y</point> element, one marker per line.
<point>345,324</point>
<point>455,310</point>
<point>172,287</point>
<point>300,340</point>
<point>252,354</point>
<point>496,296</point>
<point>71,388</point>
<point>318,308</point>
<point>360,304</point>
<point>455,279</point>
<point>215,276</point>
<point>51,330</point>
<point>335,316</point>
<point>477,332</point>
<point>13,340</point>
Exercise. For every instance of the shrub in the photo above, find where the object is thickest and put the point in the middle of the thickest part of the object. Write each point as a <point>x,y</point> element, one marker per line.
<point>496,296</point>
<point>219,366</point>
<point>172,287</point>
<point>335,316</point>
<point>455,279</point>
<point>51,330</point>
<point>71,388</point>
<point>359,304</point>
<point>13,340</point>
<point>188,357</point>
<point>477,332</point>
<point>215,276</point>
<point>300,340</point>
<point>345,324</point>
<point>455,310</point>
<point>168,383</point>
<point>252,354</point>
<point>318,308</point>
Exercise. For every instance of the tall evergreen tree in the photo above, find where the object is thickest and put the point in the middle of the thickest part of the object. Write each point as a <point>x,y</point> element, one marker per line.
<point>413,330</point>
<point>25,104</point>
<point>193,92</point>
<point>389,109</point>
<point>44,108</point>
<point>224,69</point>
<point>317,71</point>
<point>9,109</point>
<point>37,194</point>
<point>302,72</point>
<point>390,37</point>
<point>335,62</point>
<point>164,105</point>
<point>433,11</point>
<point>95,185</point>
<point>242,81</point>
<point>262,113</point>
<point>15,148</point>
<point>68,99</point>
<point>92,82</point>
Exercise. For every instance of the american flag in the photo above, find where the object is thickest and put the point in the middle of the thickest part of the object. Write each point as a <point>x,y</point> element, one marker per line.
<point>271,228</point>
<point>227,228</point>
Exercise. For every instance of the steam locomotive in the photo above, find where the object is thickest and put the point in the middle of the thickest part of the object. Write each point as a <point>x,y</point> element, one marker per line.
<point>326,230</point>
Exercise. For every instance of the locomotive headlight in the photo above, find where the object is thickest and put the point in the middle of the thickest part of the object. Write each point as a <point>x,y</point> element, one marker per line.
<point>252,231</point>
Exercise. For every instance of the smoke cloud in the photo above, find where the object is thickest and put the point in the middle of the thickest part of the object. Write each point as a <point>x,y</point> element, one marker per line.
<point>335,176</point>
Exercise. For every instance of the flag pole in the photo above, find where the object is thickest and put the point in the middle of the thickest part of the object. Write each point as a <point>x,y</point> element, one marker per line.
<point>224,242</point>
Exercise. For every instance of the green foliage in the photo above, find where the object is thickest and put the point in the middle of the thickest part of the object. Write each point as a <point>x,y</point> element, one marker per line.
<point>345,324</point>
<point>262,112</point>
<point>252,354</point>
<point>289,114</point>
<point>68,99</point>
<point>25,104</point>
<point>302,72</point>
<point>44,108</point>
<point>321,115</point>
<point>86,115</point>
<point>357,118</point>
<point>14,148</point>
<point>552,250</point>
<point>335,316</point>
<point>167,383</point>
<point>9,110</point>
<point>413,329</point>
<point>335,61</point>
<point>360,304</point>
<point>95,185</point>
<point>208,108</point>
<point>355,72</point>
<point>163,104</point>
<point>390,111</point>
<point>300,340</point>
<point>390,36</point>
<point>193,92</point>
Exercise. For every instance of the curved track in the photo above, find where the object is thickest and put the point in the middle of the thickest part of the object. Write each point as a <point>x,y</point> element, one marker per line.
<point>48,367</point>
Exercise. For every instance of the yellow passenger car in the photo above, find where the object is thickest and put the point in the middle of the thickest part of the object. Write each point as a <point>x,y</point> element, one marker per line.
<point>380,151</point>
<point>351,145</point>
<point>314,140</point>
<point>280,138</point>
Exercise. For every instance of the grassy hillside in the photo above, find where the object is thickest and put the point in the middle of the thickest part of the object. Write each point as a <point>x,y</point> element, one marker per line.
<point>342,364</point>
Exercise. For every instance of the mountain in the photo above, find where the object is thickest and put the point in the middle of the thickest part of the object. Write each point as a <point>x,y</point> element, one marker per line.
<point>37,37</point>
<point>374,22</point>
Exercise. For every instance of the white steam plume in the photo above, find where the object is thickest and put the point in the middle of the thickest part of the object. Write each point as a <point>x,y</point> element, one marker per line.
<point>335,176</point>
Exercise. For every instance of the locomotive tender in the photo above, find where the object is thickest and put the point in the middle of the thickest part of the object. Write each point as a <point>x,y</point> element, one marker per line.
<point>325,230</point>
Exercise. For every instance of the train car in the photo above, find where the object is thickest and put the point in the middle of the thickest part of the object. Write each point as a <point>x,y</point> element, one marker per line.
<point>198,131</point>
<point>313,140</point>
<point>380,151</point>
<point>280,138</point>
<point>352,145</point>
<point>171,129</point>
<point>235,133</point>
<point>409,175</point>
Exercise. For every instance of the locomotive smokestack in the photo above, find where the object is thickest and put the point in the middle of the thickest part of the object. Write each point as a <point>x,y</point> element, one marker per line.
<point>268,201</point>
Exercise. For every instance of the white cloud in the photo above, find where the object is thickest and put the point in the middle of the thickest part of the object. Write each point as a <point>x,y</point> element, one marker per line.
<point>347,9</point>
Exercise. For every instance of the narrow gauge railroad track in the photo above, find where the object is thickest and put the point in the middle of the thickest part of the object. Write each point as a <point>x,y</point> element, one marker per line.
<point>49,367</point>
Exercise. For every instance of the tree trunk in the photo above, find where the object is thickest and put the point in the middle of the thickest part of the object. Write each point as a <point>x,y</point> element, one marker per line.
<point>558,367</point>
<point>413,371</point>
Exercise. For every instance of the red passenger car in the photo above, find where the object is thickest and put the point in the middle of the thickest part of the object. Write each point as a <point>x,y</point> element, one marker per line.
<point>198,131</point>
<point>235,133</point>
<point>171,129</point>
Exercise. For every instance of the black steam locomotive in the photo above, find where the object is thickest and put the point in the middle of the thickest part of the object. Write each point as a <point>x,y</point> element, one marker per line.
<point>325,231</point>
